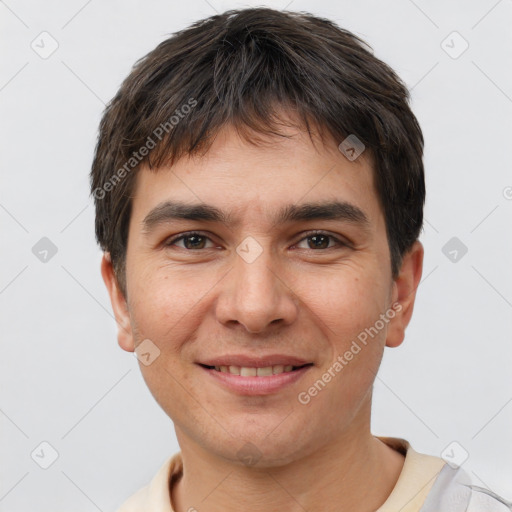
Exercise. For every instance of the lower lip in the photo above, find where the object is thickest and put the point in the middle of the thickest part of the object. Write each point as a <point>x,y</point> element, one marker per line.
<point>256,385</point>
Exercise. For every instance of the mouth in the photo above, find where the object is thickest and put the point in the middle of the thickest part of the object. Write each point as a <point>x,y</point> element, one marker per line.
<point>249,376</point>
<point>255,371</point>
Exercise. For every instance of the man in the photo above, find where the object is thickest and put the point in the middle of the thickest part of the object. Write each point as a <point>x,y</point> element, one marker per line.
<point>259,194</point>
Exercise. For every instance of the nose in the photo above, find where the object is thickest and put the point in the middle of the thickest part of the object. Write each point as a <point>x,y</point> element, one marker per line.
<point>255,295</point>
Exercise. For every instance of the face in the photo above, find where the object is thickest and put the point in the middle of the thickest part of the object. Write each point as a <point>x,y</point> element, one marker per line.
<point>253,274</point>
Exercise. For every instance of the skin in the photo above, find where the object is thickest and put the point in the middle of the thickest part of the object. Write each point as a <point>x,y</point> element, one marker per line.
<point>295,298</point>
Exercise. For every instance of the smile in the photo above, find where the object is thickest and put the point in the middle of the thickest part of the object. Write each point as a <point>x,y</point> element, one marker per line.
<point>266,379</point>
<point>250,371</point>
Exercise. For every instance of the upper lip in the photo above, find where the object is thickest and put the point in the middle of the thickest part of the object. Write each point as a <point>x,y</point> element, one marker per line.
<point>254,362</point>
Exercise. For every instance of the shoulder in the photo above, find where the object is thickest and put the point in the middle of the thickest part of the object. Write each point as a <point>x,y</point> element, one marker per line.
<point>453,491</point>
<point>429,484</point>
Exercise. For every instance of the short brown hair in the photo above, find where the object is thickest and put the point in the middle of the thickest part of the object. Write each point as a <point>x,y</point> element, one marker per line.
<point>237,68</point>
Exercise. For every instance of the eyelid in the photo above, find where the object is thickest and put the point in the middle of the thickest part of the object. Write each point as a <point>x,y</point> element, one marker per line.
<point>172,240</point>
<point>340,241</point>
<point>306,234</point>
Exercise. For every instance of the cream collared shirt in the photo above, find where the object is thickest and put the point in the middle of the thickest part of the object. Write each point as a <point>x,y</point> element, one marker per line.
<point>414,483</point>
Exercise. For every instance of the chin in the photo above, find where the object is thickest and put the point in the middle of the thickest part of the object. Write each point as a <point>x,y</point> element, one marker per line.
<point>266,445</point>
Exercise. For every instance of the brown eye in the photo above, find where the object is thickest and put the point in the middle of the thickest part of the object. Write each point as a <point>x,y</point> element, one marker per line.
<point>190,241</point>
<point>320,240</point>
<point>194,241</point>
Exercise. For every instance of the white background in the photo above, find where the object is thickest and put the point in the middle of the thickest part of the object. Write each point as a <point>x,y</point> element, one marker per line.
<point>64,380</point>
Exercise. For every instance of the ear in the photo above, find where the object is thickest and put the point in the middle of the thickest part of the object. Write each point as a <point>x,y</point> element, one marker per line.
<point>119,305</point>
<point>404,294</point>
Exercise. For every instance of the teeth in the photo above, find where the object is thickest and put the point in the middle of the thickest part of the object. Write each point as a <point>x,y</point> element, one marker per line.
<point>235,370</point>
<point>245,371</point>
<point>263,372</point>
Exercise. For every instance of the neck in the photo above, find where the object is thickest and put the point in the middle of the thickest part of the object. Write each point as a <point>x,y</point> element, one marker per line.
<point>353,473</point>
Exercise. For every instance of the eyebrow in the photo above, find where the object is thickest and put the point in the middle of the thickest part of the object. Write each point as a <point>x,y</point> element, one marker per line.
<point>331,210</point>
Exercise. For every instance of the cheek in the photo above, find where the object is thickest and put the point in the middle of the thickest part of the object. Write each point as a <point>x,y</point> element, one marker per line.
<point>168,310</point>
<point>346,302</point>
<point>348,308</point>
<point>166,300</point>
<point>165,314</point>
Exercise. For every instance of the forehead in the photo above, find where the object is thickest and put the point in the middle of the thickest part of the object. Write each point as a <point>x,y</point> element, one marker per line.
<point>244,178</point>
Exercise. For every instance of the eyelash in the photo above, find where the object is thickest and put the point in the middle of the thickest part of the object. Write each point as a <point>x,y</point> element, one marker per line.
<point>309,234</point>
